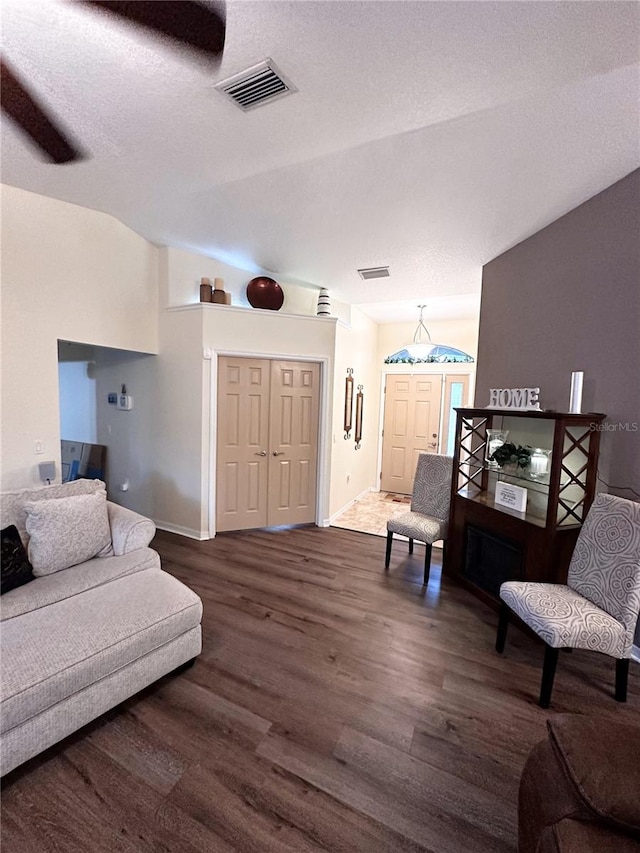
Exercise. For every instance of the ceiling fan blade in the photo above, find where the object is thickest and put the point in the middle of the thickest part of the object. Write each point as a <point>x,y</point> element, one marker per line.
<point>198,26</point>
<point>18,103</point>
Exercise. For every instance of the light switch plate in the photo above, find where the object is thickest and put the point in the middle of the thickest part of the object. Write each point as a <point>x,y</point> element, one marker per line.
<point>125,402</point>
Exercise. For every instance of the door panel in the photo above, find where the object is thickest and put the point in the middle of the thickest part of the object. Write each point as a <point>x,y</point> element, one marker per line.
<point>423,415</point>
<point>266,407</point>
<point>411,426</point>
<point>295,404</point>
<point>400,418</point>
<point>398,456</point>
<point>243,434</point>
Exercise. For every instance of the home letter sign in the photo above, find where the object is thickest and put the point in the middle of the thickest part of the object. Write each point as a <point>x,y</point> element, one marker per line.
<point>523,399</point>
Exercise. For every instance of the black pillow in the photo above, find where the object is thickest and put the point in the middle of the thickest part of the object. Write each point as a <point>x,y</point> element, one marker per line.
<point>16,568</point>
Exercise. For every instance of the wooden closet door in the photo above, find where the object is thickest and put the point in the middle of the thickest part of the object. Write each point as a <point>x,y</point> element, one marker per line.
<point>242,443</point>
<point>293,448</point>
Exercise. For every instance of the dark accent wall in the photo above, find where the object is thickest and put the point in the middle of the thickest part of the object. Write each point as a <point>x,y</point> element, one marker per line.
<point>565,299</point>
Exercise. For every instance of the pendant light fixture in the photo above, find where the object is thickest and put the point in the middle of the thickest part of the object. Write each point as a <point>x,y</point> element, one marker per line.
<point>426,352</point>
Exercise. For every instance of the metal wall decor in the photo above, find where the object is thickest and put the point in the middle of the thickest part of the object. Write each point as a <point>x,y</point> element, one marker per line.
<point>359,405</point>
<point>348,403</point>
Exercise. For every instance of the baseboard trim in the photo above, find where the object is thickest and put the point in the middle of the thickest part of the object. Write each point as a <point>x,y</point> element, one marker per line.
<point>181,531</point>
<point>348,505</point>
<point>635,653</point>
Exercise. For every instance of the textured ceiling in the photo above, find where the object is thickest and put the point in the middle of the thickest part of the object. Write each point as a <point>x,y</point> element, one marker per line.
<point>426,136</point>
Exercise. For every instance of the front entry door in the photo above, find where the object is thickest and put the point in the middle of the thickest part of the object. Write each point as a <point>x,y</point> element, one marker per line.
<point>267,443</point>
<point>411,426</point>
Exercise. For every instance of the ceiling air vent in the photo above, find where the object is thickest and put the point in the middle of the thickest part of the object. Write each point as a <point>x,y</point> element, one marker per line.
<point>374,272</point>
<point>256,86</point>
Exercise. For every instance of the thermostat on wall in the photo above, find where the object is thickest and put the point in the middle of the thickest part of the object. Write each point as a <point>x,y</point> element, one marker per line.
<point>125,402</point>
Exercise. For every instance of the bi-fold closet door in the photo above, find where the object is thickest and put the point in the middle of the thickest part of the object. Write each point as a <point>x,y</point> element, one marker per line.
<point>267,442</point>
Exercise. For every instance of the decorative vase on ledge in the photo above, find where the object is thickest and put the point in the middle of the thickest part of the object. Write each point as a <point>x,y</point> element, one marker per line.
<point>265,292</point>
<point>324,303</point>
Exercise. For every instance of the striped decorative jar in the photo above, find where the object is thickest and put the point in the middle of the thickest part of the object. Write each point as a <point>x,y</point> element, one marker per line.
<point>324,303</point>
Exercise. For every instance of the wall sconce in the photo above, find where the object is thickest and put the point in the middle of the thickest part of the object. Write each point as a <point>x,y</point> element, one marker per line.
<point>359,405</point>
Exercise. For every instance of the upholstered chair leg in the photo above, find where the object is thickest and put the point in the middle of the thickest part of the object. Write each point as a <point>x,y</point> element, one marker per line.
<point>427,562</point>
<point>622,676</point>
<point>389,543</point>
<point>548,672</point>
<point>444,553</point>
<point>503,624</point>
<point>411,546</point>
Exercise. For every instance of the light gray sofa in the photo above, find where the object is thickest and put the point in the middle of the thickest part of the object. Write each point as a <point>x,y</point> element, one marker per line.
<point>79,641</point>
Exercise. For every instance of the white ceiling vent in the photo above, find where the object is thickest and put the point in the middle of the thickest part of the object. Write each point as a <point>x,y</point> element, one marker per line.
<point>256,86</point>
<point>374,272</point>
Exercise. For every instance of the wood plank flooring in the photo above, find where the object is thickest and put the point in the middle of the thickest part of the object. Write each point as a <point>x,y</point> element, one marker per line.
<point>334,707</point>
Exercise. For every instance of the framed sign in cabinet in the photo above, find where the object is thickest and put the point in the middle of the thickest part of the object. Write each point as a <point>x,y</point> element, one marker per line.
<point>543,467</point>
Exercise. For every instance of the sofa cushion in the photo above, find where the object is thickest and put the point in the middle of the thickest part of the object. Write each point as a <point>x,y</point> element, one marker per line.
<point>601,760</point>
<point>88,637</point>
<point>12,503</point>
<point>16,568</point>
<point>66,531</point>
<point>69,582</point>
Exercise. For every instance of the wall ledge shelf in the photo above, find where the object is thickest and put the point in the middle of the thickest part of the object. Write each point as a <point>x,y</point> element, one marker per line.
<point>238,309</point>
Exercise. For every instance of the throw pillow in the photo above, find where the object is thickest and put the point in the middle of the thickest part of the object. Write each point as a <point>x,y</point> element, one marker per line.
<point>66,531</point>
<point>16,568</point>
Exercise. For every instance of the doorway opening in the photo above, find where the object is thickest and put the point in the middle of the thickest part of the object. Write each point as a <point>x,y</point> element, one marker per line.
<point>425,405</point>
<point>102,436</point>
<point>417,416</point>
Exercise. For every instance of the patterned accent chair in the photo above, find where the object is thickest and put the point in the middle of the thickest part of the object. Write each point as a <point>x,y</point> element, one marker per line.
<point>428,519</point>
<point>598,607</point>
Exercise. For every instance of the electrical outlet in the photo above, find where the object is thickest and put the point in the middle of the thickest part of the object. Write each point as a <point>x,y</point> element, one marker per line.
<point>38,446</point>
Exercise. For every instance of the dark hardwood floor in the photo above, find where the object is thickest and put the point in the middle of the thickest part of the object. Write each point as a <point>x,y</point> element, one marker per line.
<point>334,707</point>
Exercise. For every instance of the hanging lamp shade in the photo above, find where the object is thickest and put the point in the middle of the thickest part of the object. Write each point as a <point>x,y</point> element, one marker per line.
<point>420,352</point>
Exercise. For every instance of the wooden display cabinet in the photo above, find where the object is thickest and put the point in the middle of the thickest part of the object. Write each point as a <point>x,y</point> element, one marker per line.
<point>488,544</point>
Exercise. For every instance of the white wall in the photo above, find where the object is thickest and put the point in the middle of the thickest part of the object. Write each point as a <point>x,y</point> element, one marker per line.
<point>129,436</point>
<point>67,273</point>
<point>179,432</point>
<point>354,471</point>
<point>77,386</point>
<point>185,269</point>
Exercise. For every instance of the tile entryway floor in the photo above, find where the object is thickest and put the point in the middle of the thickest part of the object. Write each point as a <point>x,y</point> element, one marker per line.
<point>370,513</point>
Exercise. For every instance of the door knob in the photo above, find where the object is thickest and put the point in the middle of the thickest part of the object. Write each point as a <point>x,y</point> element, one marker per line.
<point>278,452</point>
<point>260,453</point>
